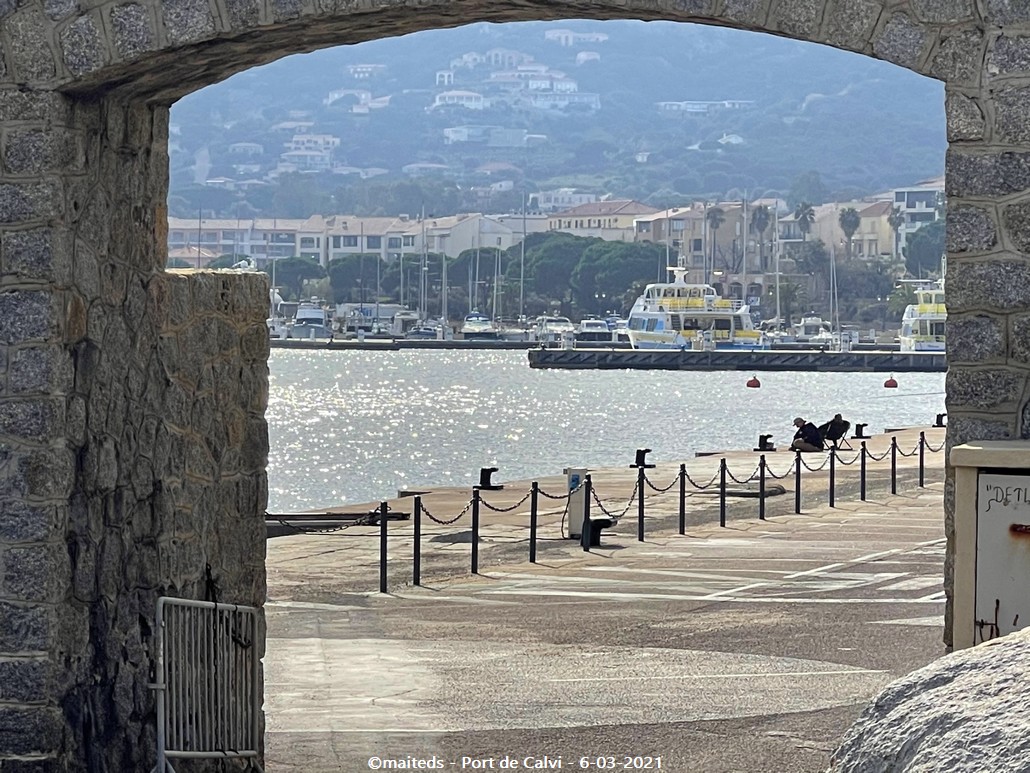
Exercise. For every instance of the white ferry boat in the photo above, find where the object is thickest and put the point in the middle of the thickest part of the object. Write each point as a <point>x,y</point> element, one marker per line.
<point>922,325</point>
<point>677,315</point>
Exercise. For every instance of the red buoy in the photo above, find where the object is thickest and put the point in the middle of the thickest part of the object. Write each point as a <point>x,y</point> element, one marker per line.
<point>753,383</point>
<point>890,383</point>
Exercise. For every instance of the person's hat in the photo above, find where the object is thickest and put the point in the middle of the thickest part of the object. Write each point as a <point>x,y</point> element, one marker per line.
<point>799,419</point>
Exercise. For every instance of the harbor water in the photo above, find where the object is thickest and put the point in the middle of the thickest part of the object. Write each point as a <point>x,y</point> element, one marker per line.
<point>349,427</point>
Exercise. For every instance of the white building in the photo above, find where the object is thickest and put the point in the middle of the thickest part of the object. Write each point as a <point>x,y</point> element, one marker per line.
<point>470,100</point>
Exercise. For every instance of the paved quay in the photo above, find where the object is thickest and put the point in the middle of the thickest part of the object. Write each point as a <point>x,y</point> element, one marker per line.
<point>745,648</point>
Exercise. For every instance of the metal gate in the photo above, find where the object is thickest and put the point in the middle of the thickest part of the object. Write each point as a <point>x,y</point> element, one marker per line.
<point>208,702</point>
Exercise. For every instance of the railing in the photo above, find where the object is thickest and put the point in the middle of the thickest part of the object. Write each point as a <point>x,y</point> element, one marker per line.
<point>685,484</point>
<point>206,680</point>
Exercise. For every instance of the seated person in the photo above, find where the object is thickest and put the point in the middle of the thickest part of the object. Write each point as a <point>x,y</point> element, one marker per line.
<point>835,429</point>
<point>807,438</point>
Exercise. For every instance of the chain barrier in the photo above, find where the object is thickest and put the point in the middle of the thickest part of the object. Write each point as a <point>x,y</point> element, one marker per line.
<point>840,459</point>
<point>774,476</point>
<point>913,452</point>
<point>515,506</point>
<point>748,479</point>
<point>814,469</point>
<point>655,488</point>
<point>565,496</point>
<point>601,507</point>
<point>442,521</point>
<point>933,450</point>
<point>694,483</point>
<point>870,455</point>
<point>325,529</point>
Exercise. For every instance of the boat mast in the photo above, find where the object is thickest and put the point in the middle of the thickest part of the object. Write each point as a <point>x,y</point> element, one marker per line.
<point>743,279</point>
<point>443,287</point>
<point>522,264</point>
<point>776,261</point>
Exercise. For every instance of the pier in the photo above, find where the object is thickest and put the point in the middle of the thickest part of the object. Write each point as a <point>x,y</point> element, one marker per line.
<point>759,359</point>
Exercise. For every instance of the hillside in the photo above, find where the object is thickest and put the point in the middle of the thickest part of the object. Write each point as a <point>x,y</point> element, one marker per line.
<point>566,111</point>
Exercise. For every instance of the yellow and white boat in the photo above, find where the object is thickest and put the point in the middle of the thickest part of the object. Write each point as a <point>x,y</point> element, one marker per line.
<point>677,315</point>
<point>922,325</point>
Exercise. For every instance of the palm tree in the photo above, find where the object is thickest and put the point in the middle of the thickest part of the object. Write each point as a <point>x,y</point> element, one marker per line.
<point>759,224</point>
<point>804,214</point>
<point>715,218</point>
<point>849,220</point>
<point>895,220</point>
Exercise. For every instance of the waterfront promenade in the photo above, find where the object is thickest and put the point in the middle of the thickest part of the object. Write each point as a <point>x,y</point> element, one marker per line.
<point>745,648</point>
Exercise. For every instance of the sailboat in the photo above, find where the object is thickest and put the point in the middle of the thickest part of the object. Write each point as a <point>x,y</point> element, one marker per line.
<point>278,325</point>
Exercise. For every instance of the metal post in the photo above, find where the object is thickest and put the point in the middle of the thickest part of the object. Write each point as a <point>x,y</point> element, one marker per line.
<point>416,571</point>
<point>722,492</point>
<point>761,487</point>
<point>382,547</point>
<point>833,473</point>
<point>683,499</point>
<point>861,473</point>
<point>475,530</point>
<point>584,537</point>
<point>534,493</point>
<point>894,465</point>
<point>797,482</point>
<point>922,468</point>
<point>641,482</point>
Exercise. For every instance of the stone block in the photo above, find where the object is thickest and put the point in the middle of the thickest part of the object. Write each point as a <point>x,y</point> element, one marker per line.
<point>902,41</point>
<point>1020,338</point>
<point>986,174</point>
<point>44,106</point>
<point>22,522</point>
<point>1016,219</point>
<point>38,253</point>
<point>132,30</point>
<point>964,427</point>
<point>83,47</point>
<point>1010,55</point>
<point>35,151</point>
<point>959,58</point>
<point>23,680</point>
<point>39,419</point>
<point>35,765</point>
<point>59,9</point>
<point>29,49</point>
<point>943,11</point>
<point>40,369</point>
<point>979,338</point>
<point>1010,110</point>
<point>850,22</point>
<point>22,203</point>
<point>797,18</point>
<point>746,11</point>
<point>965,119</point>
<point>1006,12</point>
<point>34,573</point>
<point>187,21</point>
<point>970,229</point>
<point>284,10</point>
<point>25,732</point>
<point>984,389</point>
<point>28,316</point>
<point>1002,285</point>
<point>7,7</point>
<point>24,628</point>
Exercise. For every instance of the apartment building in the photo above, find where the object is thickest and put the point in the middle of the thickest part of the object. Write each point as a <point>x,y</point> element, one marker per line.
<point>611,220</point>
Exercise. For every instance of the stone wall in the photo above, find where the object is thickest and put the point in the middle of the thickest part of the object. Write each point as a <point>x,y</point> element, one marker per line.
<point>132,433</point>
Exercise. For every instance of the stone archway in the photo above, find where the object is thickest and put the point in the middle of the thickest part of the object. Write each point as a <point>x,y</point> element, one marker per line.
<point>132,434</point>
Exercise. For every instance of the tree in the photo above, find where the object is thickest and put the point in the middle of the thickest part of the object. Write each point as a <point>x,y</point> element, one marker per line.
<point>896,219</point>
<point>715,217</point>
<point>849,220</point>
<point>291,273</point>
<point>353,277</point>
<point>607,270</point>
<point>225,261</point>
<point>807,187</point>
<point>899,299</point>
<point>760,219</point>
<point>804,214</point>
<point>792,296</point>
<point>924,250</point>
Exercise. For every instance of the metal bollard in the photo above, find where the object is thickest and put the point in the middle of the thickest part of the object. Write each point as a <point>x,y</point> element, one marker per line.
<point>534,495</point>
<point>833,473</point>
<point>922,460</point>
<point>416,565</point>
<point>382,546</point>
<point>587,530</point>
<point>761,487</point>
<point>722,492</point>
<point>641,482</point>
<point>683,499</point>
<point>894,464</point>
<point>859,432</point>
<point>797,482</point>
<point>475,531</point>
<point>861,473</point>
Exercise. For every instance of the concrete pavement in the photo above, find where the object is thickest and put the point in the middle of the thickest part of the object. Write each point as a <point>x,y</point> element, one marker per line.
<point>748,648</point>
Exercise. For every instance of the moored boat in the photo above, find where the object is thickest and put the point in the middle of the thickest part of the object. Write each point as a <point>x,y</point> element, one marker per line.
<point>678,315</point>
<point>923,323</point>
<point>478,325</point>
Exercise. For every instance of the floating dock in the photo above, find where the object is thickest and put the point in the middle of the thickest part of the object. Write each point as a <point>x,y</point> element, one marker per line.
<point>762,359</point>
